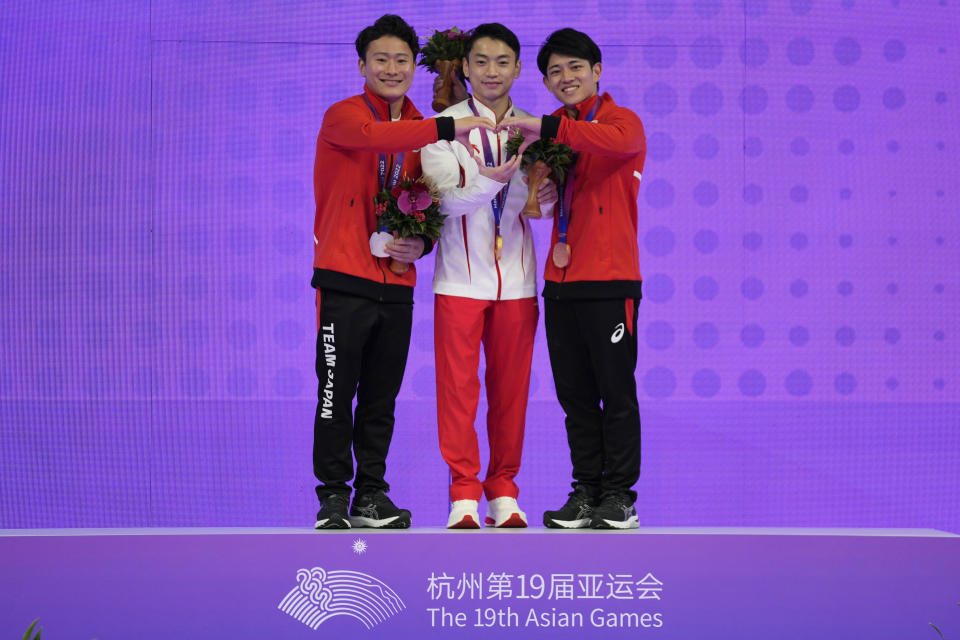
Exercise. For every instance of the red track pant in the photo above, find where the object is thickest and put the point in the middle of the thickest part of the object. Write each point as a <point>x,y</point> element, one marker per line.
<point>506,329</point>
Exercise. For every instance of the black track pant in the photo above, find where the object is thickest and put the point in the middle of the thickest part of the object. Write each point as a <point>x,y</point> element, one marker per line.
<point>593,353</point>
<point>362,349</point>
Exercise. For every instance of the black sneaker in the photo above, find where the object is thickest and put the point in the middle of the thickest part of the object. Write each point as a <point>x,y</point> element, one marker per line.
<point>333,512</point>
<point>576,513</point>
<point>615,511</point>
<point>377,511</point>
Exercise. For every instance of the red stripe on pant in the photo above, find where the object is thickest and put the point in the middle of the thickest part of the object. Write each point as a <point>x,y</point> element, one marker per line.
<point>506,329</point>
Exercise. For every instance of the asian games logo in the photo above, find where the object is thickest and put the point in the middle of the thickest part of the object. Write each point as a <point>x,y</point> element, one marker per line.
<point>321,595</point>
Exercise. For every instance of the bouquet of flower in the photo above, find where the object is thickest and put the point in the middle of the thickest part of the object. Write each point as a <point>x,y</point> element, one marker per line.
<point>443,54</point>
<point>412,208</point>
<point>540,159</point>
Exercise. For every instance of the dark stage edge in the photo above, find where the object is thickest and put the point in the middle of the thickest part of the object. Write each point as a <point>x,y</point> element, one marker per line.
<point>653,582</point>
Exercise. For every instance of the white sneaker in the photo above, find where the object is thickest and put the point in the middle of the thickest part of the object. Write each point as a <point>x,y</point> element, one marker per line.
<point>505,513</point>
<point>463,515</point>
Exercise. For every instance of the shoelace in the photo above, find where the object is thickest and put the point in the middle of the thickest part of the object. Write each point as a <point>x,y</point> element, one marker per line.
<point>578,500</point>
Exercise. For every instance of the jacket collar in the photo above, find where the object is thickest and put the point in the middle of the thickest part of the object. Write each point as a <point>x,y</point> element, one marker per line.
<point>583,108</point>
<point>487,112</point>
<point>383,107</point>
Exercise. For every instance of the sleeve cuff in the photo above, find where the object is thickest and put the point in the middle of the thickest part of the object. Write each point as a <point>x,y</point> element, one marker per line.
<point>427,245</point>
<point>445,128</point>
<point>549,126</point>
<point>489,185</point>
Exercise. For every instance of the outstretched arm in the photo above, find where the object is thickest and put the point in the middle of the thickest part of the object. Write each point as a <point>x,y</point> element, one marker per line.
<point>621,134</point>
<point>348,126</point>
<point>442,166</point>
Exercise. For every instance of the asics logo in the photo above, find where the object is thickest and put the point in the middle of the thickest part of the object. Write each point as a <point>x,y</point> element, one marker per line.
<point>617,333</point>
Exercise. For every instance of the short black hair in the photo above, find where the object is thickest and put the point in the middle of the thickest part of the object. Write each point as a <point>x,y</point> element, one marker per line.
<point>494,31</point>
<point>387,25</point>
<point>568,42</point>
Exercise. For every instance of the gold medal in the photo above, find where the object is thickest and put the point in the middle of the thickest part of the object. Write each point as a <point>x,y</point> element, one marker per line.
<point>561,255</point>
<point>498,250</point>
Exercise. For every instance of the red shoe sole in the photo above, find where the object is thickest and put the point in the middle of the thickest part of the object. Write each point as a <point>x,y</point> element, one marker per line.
<point>467,522</point>
<point>513,522</point>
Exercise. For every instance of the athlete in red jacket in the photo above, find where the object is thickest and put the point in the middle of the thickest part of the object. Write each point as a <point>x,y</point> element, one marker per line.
<point>592,283</point>
<point>364,309</point>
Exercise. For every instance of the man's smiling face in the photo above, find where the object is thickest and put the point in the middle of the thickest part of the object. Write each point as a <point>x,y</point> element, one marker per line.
<point>491,67</point>
<point>571,80</point>
<point>388,67</point>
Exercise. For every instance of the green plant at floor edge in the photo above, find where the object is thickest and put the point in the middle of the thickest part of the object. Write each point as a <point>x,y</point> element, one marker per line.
<point>28,635</point>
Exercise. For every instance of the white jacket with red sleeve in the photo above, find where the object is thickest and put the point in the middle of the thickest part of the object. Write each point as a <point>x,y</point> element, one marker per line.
<point>466,265</point>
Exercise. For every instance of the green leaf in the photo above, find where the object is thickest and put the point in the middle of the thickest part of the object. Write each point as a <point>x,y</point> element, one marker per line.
<point>27,635</point>
<point>553,154</point>
<point>449,44</point>
<point>513,143</point>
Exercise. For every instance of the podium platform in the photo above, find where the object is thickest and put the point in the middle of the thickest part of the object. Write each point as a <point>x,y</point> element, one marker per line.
<point>534,583</point>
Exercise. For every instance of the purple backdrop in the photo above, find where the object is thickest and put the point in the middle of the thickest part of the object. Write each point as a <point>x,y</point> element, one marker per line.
<point>799,232</point>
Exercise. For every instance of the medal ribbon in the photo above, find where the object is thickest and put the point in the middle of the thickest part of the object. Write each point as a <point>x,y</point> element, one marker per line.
<point>382,161</point>
<point>565,202</point>
<point>499,201</point>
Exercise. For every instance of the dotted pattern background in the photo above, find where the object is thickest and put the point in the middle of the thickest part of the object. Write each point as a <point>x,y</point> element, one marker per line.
<point>798,230</point>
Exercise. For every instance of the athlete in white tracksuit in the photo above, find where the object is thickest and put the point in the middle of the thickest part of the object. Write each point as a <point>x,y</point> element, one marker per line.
<point>480,298</point>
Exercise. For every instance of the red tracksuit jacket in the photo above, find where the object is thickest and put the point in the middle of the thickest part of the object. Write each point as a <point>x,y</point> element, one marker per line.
<point>345,180</point>
<point>602,231</point>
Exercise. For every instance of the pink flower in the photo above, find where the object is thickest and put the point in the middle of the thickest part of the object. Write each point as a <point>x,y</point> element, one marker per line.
<point>414,200</point>
<point>456,34</point>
